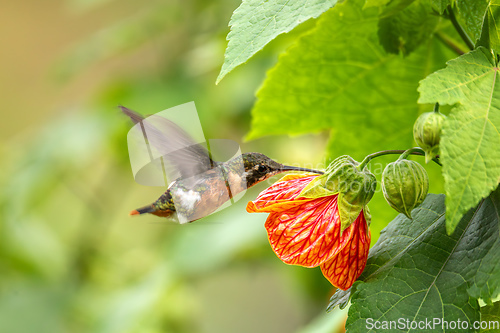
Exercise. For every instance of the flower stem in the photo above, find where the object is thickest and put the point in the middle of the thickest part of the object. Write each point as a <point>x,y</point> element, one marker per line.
<point>459,28</point>
<point>405,153</point>
<point>436,108</point>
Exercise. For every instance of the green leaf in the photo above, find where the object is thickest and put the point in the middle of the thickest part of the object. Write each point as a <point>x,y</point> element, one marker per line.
<point>490,36</point>
<point>486,282</point>
<point>470,14</point>
<point>340,298</point>
<point>440,5</point>
<point>408,29</point>
<point>471,134</point>
<point>490,316</point>
<point>417,271</point>
<point>350,85</point>
<point>257,22</point>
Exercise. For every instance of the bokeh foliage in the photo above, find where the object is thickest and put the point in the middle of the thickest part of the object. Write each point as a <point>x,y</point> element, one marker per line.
<point>72,260</point>
<point>356,73</point>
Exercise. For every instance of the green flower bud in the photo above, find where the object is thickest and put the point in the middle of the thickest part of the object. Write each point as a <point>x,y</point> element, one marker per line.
<point>405,184</point>
<point>427,132</point>
<point>355,188</point>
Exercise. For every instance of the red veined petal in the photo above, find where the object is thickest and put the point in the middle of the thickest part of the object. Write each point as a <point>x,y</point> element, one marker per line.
<point>281,195</point>
<point>345,267</point>
<point>308,234</point>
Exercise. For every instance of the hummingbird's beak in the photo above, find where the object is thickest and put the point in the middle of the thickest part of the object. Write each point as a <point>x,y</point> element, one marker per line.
<point>292,168</point>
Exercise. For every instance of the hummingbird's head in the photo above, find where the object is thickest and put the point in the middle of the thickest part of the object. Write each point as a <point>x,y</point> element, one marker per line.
<point>259,167</point>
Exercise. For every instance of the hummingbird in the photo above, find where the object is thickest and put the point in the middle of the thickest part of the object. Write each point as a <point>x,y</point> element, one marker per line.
<point>204,185</point>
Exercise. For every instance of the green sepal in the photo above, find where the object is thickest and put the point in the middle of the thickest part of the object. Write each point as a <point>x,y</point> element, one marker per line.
<point>317,189</point>
<point>368,217</point>
<point>348,212</point>
<point>431,153</point>
<point>354,187</point>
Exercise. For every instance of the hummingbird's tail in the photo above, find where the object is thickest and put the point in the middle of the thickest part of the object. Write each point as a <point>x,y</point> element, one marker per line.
<point>151,209</point>
<point>143,210</point>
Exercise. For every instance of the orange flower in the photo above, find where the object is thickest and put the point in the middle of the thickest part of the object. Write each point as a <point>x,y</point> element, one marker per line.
<point>307,232</point>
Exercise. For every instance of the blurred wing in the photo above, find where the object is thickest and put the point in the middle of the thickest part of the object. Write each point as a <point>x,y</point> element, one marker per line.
<point>173,143</point>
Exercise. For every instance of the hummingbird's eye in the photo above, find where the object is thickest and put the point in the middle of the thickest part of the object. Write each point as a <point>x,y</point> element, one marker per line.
<point>261,168</point>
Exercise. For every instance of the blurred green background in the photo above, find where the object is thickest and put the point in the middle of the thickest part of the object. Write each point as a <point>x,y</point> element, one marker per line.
<point>71,259</point>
